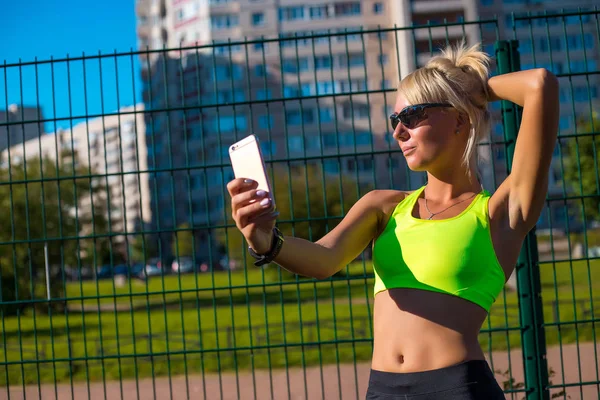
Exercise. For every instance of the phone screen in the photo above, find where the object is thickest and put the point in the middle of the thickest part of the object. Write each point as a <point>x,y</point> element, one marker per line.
<point>247,162</point>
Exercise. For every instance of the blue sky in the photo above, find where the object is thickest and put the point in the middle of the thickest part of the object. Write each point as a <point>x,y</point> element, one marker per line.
<point>51,28</point>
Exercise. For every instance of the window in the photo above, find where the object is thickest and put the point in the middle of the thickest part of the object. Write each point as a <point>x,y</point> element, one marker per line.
<point>329,140</point>
<point>377,8</point>
<point>293,65</point>
<point>353,85</point>
<point>350,38</point>
<point>319,12</point>
<point>227,73</point>
<point>226,123</point>
<point>296,144</point>
<point>293,117</point>
<point>290,91</point>
<point>350,60</point>
<point>224,21</point>
<point>308,115</point>
<point>258,19</point>
<point>322,62</point>
<point>306,89</point>
<point>363,138</point>
<point>326,114</point>
<point>268,148</point>
<point>382,35</point>
<point>325,87</point>
<point>227,96</point>
<point>565,122</point>
<point>364,164</point>
<point>347,8</point>
<point>260,46</point>
<point>296,117</point>
<point>383,59</point>
<point>292,13</point>
<point>260,70</point>
<point>265,121</point>
<point>331,166</point>
<point>263,94</point>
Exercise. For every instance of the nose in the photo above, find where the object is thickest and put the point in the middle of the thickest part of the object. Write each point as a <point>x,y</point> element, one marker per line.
<point>401,133</point>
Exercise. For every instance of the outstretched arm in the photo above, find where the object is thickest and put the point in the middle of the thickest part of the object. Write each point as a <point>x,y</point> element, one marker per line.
<point>520,198</point>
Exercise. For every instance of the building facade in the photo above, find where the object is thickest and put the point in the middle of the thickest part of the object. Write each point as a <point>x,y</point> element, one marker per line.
<point>114,149</point>
<point>321,86</point>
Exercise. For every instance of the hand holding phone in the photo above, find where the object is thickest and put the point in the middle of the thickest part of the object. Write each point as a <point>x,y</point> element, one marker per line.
<point>252,202</point>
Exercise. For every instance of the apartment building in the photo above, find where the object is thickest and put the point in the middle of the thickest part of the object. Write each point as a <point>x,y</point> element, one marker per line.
<point>319,87</point>
<point>114,148</point>
<point>14,125</point>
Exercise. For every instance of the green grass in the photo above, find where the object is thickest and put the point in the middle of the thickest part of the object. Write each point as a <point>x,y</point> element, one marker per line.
<point>252,326</point>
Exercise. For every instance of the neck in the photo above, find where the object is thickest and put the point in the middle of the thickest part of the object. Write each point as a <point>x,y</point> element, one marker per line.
<point>451,184</point>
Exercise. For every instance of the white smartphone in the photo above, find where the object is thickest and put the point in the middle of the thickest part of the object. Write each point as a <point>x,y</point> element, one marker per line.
<point>247,162</point>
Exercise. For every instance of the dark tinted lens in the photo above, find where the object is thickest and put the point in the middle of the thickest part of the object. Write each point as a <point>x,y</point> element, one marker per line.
<point>410,117</point>
<point>394,120</point>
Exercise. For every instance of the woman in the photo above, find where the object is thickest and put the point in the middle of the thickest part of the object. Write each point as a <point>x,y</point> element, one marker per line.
<point>442,253</point>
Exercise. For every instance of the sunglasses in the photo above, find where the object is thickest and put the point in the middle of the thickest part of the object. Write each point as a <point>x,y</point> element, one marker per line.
<point>411,116</point>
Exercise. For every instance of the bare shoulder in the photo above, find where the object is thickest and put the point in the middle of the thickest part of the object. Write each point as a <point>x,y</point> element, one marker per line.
<point>384,202</point>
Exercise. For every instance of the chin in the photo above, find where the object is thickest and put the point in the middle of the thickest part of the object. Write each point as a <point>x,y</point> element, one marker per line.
<point>415,165</point>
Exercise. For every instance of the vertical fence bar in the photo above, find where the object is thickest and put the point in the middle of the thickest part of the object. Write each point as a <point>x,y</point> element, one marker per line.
<point>528,274</point>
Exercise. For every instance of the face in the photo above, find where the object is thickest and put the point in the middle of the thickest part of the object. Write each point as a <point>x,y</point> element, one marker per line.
<point>430,140</point>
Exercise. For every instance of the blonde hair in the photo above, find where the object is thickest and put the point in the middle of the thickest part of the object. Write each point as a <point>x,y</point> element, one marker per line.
<point>457,76</point>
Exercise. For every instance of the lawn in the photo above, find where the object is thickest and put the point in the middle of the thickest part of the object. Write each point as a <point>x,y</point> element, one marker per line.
<point>244,320</point>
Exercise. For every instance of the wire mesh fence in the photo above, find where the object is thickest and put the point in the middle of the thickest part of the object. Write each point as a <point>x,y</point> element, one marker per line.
<point>123,273</point>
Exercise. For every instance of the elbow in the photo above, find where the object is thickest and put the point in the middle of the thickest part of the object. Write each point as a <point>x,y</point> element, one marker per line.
<point>321,274</point>
<point>545,81</point>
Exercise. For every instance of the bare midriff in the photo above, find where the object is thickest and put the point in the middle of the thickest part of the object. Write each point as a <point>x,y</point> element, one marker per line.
<point>417,330</point>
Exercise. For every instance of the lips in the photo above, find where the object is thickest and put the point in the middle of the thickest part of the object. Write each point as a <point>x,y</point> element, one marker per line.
<point>408,150</point>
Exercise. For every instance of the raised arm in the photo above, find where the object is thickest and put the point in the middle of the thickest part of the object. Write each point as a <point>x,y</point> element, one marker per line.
<point>520,198</point>
<point>319,260</point>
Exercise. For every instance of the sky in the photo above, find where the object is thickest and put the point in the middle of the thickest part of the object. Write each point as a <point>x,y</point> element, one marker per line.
<point>57,29</point>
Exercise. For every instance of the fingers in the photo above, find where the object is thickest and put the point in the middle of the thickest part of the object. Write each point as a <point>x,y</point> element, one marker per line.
<point>269,216</point>
<point>239,185</point>
<point>242,199</point>
<point>252,211</point>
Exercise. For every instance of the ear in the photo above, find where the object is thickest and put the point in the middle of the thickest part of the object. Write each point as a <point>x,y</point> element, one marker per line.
<point>462,122</point>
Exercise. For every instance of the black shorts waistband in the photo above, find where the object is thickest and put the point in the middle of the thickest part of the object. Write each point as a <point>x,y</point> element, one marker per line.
<point>433,380</point>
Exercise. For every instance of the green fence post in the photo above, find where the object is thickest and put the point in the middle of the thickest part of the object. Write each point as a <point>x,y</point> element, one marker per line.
<point>533,337</point>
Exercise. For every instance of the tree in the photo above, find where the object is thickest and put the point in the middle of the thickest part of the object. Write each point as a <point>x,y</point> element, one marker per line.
<point>314,201</point>
<point>582,164</point>
<point>183,241</point>
<point>142,247</point>
<point>41,202</point>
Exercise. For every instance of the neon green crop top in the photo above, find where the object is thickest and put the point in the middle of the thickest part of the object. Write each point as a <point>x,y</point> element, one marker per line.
<point>453,256</point>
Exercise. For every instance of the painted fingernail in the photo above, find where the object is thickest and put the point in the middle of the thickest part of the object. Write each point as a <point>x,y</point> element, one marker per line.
<point>247,181</point>
<point>260,193</point>
<point>265,202</point>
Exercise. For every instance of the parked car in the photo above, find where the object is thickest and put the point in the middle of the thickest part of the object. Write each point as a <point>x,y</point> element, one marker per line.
<point>104,272</point>
<point>121,269</point>
<point>183,265</point>
<point>151,268</point>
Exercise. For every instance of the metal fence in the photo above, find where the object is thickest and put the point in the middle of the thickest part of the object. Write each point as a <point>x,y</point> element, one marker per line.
<point>122,273</point>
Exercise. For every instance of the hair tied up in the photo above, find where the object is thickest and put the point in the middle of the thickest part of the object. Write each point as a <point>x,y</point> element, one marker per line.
<point>458,75</point>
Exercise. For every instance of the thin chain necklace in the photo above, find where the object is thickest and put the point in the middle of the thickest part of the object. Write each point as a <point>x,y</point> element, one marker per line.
<point>432,214</point>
